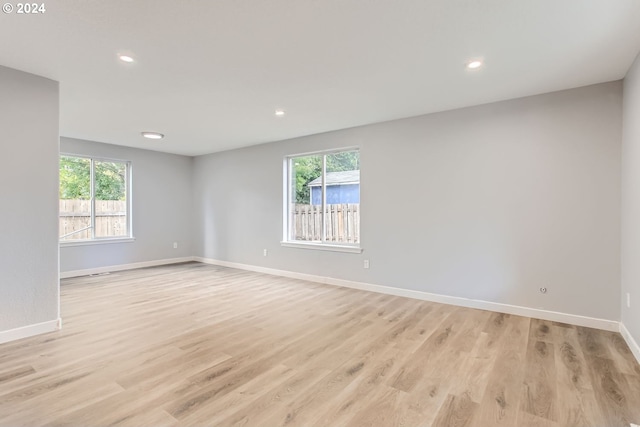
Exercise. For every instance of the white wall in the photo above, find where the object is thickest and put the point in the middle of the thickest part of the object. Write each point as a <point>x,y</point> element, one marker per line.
<point>29,197</point>
<point>161,211</point>
<point>631,201</point>
<point>490,203</point>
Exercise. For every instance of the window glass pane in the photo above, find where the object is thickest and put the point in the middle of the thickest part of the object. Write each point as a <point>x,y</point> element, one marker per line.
<point>305,202</point>
<point>342,209</point>
<point>75,198</point>
<point>110,199</point>
<point>324,212</point>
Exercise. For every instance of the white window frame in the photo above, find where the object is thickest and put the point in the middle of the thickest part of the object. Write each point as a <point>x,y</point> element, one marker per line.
<point>102,240</point>
<point>288,197</point>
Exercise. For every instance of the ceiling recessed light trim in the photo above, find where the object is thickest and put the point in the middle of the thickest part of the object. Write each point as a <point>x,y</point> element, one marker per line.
<point>152,135</point>
<point>279,112</point>
<point>126,58</point>
<point>474,64</point>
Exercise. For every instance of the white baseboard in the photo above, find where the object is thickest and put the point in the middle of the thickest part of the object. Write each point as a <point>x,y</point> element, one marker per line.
<point>590,322</point>
<point>633,345</point>
<point>30,330</point>
<point>121,267</point>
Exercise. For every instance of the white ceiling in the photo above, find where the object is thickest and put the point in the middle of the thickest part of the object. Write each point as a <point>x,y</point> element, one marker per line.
<point>210,74</point>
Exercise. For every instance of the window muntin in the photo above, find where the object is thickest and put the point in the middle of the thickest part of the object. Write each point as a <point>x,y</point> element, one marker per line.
<point>94,199</point>
<point>323,198</point>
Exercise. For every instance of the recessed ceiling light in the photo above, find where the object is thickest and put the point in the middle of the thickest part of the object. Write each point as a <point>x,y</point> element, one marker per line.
<point>476,63</point>
<point>125,58</point>
<point>152,135</point>
<point>279,113</point>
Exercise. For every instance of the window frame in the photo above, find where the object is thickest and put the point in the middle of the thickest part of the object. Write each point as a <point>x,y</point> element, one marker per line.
<point>129,220</point>
<point>288,196</point>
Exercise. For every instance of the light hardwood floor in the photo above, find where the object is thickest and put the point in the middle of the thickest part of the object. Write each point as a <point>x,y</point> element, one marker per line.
<point>194,344</point>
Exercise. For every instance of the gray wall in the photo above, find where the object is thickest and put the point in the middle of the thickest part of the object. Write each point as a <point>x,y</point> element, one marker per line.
<point>631,201</point>
<point>490,203</point>
<point>161,210</point>
<point>29,196</point>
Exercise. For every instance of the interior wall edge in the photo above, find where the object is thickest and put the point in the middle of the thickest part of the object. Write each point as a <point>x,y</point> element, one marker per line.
<point>121,267</point>
<point>573,319</point>
<point>633,345</point>
<point>30,330</point>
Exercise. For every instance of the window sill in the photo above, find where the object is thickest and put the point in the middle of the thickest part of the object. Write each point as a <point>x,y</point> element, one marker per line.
<point>97,242</point>
<point>323,247</point>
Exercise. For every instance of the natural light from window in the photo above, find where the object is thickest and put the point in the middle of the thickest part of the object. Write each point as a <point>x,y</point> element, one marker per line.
<point>323,198</point>
<point>94,199</point>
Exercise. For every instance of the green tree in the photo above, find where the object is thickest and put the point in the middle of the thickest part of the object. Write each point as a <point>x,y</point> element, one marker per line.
<point>110,180</point>
<point>75,179</point>
<point>345,161</point>
<point>308,168</point>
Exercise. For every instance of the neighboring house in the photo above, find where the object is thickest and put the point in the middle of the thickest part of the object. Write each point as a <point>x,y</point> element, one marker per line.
<point>342,187</point>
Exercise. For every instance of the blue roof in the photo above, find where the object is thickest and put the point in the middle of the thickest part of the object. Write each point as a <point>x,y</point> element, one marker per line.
<point>338,178</point>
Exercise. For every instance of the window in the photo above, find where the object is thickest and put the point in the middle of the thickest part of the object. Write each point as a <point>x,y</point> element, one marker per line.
<point>94,199</point>
<point>323,200</point>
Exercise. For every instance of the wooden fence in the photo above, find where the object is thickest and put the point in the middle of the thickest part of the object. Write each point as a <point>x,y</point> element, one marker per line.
<point>343,223</point>
<point>111,218</point>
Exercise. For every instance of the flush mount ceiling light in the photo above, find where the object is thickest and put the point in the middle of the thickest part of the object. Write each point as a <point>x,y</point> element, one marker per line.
<point>476,63</point>
<point>279,113</point>
<point>125,58</point>
<point>152,135</point>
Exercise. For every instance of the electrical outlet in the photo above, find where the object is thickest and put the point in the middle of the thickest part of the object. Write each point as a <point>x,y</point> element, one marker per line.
<point>366,263</point>
<point>264,252</point>
<point>628,300</point>
<point>175,245</point>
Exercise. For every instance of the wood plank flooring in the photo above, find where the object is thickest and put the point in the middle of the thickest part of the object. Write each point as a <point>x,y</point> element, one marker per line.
<point>200,345</point>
